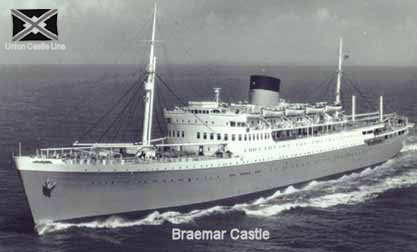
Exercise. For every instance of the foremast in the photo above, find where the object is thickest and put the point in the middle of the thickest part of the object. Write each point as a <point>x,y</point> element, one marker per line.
<point>339,72</point>
<point>149,88</point>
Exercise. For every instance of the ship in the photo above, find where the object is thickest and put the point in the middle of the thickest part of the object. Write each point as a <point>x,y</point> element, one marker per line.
<point>214,151</point>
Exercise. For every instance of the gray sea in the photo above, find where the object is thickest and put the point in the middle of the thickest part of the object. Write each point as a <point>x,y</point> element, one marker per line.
<point>53,105</point>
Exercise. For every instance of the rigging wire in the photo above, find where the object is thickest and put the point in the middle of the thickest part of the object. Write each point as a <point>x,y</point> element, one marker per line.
<point>158,122</point>
<point>188,52</point>
<point>374,103</point>
<point>170,71</point>
<point>100,120</point>
<point>161,103</point>
<point>132,118</point>
<point>121,53</point>
<point>367,99</point>
<point>325,83</point>
<point>331,90</point>
<point>134,94</point>
<point>131,109</point>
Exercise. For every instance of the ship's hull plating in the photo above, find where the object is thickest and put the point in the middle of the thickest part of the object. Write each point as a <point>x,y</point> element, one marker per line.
<point>79,195</point>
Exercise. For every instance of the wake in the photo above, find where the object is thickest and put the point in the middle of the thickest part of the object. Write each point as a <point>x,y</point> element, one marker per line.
<point>409,147</point>
<point>346,190</point>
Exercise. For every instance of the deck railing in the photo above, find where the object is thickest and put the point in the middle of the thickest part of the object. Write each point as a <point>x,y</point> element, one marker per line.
<point>107,155</point>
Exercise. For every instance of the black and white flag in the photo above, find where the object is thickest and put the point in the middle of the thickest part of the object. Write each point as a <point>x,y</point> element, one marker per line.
<point>35,24</point>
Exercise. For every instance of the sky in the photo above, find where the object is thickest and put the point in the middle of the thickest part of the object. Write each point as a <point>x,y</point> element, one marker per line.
<point>291,32</point>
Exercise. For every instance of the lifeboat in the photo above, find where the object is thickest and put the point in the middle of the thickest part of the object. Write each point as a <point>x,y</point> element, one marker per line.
<point>272,113</point>
<point>293,112</point>
<point>333,108</point>
<point>314,110</point>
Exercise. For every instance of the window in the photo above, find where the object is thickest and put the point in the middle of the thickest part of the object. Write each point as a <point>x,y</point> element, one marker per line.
<point>168,120</point>
<point>233,137</point>
<point>225,137</point>
<point>250,137</point>
<point>232,124</point>
<point>182,133</point>
<point>198,135</point>
<point>246,137</point>
<point>219,137</point>
<point>211,136</point>
<point>178,134</point>
<point>204,135</point>
<point>240,137</point>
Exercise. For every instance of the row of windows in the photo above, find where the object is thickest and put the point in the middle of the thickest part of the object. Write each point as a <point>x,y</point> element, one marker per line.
<point>285,134</point>
<point>234,137</point>
<point>232,123</point>
<point>172,180</point>
<point>199,111</point>
<point>169,120</point>
<point>367,132</point>
<point>255,136</point>
<point>176,133</point>
<point>205,178</point>
<point>157,181</point>
<point>237,124</point>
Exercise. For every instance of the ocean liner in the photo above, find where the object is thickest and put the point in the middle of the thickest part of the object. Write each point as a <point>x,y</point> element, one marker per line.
<point>214,151</point>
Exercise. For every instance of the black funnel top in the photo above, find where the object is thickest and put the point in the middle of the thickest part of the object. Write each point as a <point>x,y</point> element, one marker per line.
<point>264,82</point>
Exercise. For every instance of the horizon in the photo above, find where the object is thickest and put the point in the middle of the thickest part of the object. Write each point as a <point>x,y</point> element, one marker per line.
<point>376,32</point>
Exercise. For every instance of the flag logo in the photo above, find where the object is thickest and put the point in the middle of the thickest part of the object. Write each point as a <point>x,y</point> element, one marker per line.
<point>35,24</point>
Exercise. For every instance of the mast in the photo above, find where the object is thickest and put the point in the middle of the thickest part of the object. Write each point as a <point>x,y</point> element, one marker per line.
<point>381,108</point>
<point>149,88</point>
<point>339,72</point>
<point>217,95</point>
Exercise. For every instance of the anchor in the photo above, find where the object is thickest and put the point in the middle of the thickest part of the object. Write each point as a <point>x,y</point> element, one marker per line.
<point>47,187</point>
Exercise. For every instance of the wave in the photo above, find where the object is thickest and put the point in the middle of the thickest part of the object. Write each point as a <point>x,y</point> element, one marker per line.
<point>409,147</point>
<point>363,193</point>
<point>348,189</point>
<point>155,218</point>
